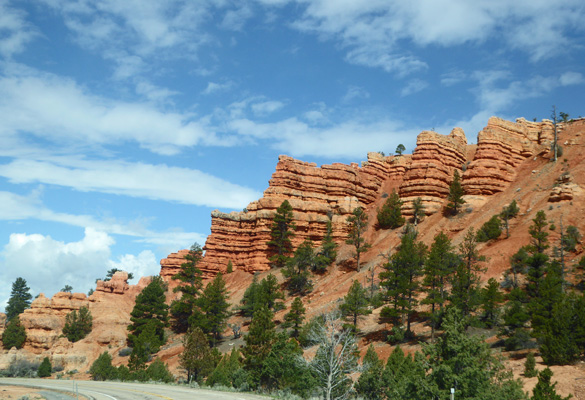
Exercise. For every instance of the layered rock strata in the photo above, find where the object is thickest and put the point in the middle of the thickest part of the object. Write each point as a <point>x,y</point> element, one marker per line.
<point>501,147</point>
<point>315,194</point>
<point>434,161</point>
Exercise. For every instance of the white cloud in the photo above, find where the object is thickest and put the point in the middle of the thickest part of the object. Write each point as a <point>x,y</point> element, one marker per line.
<point>375,33</point>
<point>145,264</point>
<point>571,78</point>
<point>35,103</point>
<point>48,264</point>
<point>14,207</point>
<point>15,32</point>
<point>355,92</point>
<point>266,107</point>
<point>235,19</point>
<point>156,182</point>
<point>213,87</point>
<point>414,86</point>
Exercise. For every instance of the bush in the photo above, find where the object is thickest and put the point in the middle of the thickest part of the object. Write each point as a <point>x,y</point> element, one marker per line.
<point>530,366</point>
<point>78,325</point>
<point>125,352</point>
<point>492,229</point>
<point>390,215</point>
<point>571,238</point>
<point>159,372</point>
<point>44,369</point>
<point>14,335</point>
<point>22,368</point>
<point>102,368</point>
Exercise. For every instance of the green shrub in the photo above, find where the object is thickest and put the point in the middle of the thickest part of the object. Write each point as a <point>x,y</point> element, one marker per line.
<point>22,368</point>
<point>78,325</point>
<point>530,366</point>
<point>102,368</point>
<point>159,372</point>
<point>492,229</point>
<point>390,215</point>
<point>44,369</point>
<point>571,238</point>
<point>14,335</point>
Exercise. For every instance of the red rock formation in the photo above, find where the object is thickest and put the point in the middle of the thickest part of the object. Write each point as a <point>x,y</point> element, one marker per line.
<point>431,171</point>
<point>314,193</point>
<point>501,147</point>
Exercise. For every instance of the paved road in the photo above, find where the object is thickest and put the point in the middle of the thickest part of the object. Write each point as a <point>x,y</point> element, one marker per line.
<point>127,391</point>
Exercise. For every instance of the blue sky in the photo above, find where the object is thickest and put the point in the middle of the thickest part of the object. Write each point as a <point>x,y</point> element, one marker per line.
<point>125,123</point>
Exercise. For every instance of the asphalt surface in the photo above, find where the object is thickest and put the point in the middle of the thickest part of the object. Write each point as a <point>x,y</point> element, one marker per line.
<point>68,390</point>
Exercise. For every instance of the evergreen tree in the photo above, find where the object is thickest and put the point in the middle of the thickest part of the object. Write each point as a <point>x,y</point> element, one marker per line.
<point>369,384</point>
<point>283,368</point>
<point>45,368</point>
<point>390,215</point>
<point>146,343</point>
<point>550,293</point>
<point>196,359</point>
<point>281,232</point>
<point>509,212</point>
<point>538,260</point>
<point>491,230</point>
<point>150,307</point>
<point>401,376</point>
<point>466,363</point>
<point>297,269</point>
<point>102,368</point>
<point>515,319</point>
<point>545,389</point>
<point>328,251</point>
<point>355,304</point>
<point>264,293</point>
<point>249,302</point>
<point>158,371</point>
<point>225,372</point>
<point>294,318</point>
<point>464,292</point>
<point>213,309</point>
<point>78,325</point>
<point>190,285</point>
<point>20,299</point>
<point>418,211</point>
<point>67,289</point>
<point>518,264</point>
<point>559,335</point>
<point>440,265</point>
<point>455,196</point>
<point>358,223</point>
<point>405,267</point>
<point>14,335</point>
<point>400,149</point>
<point>491,298</point>
<point>230,267</point>
<point>259,340</point>
<point>530,366</point>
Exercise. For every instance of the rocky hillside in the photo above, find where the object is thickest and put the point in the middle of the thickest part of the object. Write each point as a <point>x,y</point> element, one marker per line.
<point>511,161</point>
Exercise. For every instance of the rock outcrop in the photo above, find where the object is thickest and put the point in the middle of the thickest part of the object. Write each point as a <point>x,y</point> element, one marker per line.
<point>565,189</point>
<point>315,194</point>
<point>431,172</point>
<point>501,147</point>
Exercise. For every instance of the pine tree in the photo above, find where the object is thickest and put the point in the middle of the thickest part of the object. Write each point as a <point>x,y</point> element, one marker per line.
<point>355,303</point>
<point>297,269</point>
<point>14,335</point>
<point>515,319</point>
<point>530,366</point>
<point>190,278</point>
<point>259,340</point>
<point>545,389</point>
<point>571,238</point>
<point>249,300</point>
<point>559,334</point>
<point>518,263</point>
<point>390,215</point>
<point>281,232</point>
<point>213,309</point>
<point>508,213</point>
<point>401,376</point>
<point>491,298</point>
<point>538,260</point>
<point>294,318</point>
<point>418,211</point>
<point>102,368</point>
<point>78,325</point>
<point>196,358</point>
<point>405,267</point>
<point>440,265</point>
<point>369,384</point>
<point>464,292</point>
<point>455,196</point>
<point>328,251</point>
<point>20,299</point>
<point>45,368</point>
<point>150,307</point>
<point>264,293</point>
<point>491,230</point>
<point>358,223</point>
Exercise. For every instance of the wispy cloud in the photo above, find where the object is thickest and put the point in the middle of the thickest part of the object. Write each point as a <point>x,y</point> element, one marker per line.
<point>15,32</point>
<point>214,87</point>
<point>414,86</point>
<point>157,182</point>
